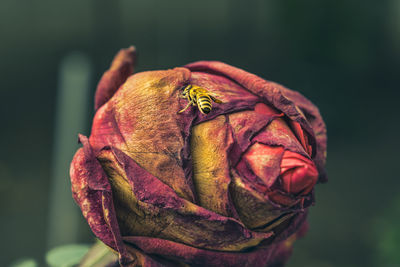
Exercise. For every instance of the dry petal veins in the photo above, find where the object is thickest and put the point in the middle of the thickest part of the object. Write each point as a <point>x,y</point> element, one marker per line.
<point>210,145</point>
<point>229,188</point>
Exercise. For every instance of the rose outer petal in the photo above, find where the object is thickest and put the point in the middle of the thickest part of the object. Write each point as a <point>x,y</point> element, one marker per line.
<point>273,255</point>
<point>146,206</point>
<point>92,193</point>
<point>121,68</point>
<point>140,119</point>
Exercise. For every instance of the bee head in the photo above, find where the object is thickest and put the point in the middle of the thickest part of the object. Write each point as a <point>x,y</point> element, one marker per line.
<point>185,89</point>
<point>184,93</point>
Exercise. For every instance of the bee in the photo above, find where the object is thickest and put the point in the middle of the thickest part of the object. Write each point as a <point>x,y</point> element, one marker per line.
<point>200,97</point>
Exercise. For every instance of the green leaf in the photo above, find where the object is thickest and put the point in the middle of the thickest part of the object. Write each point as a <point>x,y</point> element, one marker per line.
<point>66,256</point>
<point>24,263</point>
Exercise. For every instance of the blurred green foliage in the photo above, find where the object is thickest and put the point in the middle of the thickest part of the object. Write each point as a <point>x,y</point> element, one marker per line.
<point>24,263</point>
<point>66,256</point>
<point>387,232</point>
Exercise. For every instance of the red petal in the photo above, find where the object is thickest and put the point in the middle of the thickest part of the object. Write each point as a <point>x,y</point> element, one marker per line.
<point>92,193</point>
<point>298,174</point>
<point>302,136</point>
<point>264,162</point>
<point>121,68</point>
<point>263,109</point>
<point>263,256</point>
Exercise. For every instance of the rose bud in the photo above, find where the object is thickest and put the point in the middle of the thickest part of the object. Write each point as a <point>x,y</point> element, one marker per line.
<point>202,165</point>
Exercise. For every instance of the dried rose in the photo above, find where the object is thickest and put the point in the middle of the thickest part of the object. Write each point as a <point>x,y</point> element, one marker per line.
<point>227,188</point>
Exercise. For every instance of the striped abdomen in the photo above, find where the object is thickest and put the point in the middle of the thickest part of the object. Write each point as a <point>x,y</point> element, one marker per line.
<point>204,103</point>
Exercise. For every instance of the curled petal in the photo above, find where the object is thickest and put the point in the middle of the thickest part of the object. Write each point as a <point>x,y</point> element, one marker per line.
<point>121,68</point>
<point>264,162</point>
<point>92,192</point>
<point>311,112</point>
<point>278,133</point>
<point>298,174</point>
<point>246,125</point>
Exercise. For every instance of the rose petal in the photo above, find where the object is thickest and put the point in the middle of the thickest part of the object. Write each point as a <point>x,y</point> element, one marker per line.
<point>311,112</point>
<point>265,162</point>
<point>210,145</point>
<point>234,96</point>
<point>141,119</point>
<point>121,68</point>
<point>246,124</point>
<point>278,133</point>
<point>298,174</point>
<point>180,253</point>
<point>253,207</point>
<point>152,208</point>
<point>292,103</point>
<point>301,136</point>
<point>92,193</point>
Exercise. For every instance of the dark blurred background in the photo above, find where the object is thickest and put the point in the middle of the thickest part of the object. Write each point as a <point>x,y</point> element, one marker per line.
<point>344,55</point>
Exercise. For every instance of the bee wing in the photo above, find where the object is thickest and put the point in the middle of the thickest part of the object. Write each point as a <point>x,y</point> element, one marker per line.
<point>215,99</point>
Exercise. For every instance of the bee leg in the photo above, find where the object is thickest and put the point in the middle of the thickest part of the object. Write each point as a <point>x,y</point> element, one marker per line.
<point>188,105</point>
